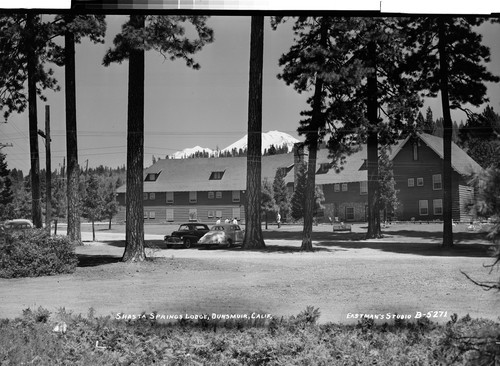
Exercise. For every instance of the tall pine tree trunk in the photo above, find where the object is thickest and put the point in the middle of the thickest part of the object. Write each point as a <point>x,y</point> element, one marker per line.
<point>73,171</point>
<point>447,134</point>
<point>253,230</point>
<point>134,229</point>
<point>312,144</point>
<point>36,204</point>
<point>311,180</point>
<point>374,230</point>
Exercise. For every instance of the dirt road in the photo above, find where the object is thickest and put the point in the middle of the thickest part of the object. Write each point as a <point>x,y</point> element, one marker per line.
<point>341,278</point>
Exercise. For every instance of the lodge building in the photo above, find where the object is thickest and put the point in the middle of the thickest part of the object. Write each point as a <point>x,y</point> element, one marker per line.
<point>205,189</point>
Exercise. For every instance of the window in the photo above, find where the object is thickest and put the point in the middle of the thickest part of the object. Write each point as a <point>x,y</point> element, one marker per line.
<point>344,187</point>
<point>423,207</point>
<point>193,198</point>
<point>411,182</point>
<point>152,196</point>
<point>218,195</point>
<point>210,214</point>
<point>236,212</point>
<point>211,195</point>
<point>218,214</point>
<point>170,197</point>
<point>145,215</point>
<point>363,187</point>
<point>152,215</point>
<point>145,196</point>
<point>323,168</point>
<point>216,175</point>
<point>236,196</point>
<point>349,213</point>
<point>420,182</point>
<point>415,151</point>
<point>336,187</point>
<point>152,177</point>
<point>436,182</point>
<point>193,214</point>
<point>170,214</point>
<point>437,206</point>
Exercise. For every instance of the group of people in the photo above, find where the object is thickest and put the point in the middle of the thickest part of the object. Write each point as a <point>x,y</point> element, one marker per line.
<point>228,221</point>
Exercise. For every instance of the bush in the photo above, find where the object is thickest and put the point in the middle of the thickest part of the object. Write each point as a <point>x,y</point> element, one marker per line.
<point>105,341</point>
<point>34,252</point>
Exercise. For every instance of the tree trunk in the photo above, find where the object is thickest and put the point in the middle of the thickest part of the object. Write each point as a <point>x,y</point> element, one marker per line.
<point>253,231</point>
<point>55,226</point>
<point>36,204</point>
<point>374,230</point>
<point>109,227</point>
<point>311,179</point>
<point>312,143</point>
<point>134,229</point>
<point>447,133</point>
<point>73,171</point>
<point>93,230</point>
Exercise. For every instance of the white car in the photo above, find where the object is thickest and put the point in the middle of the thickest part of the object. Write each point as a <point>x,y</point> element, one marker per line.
<point>18,224</point>
<point>226,235</point>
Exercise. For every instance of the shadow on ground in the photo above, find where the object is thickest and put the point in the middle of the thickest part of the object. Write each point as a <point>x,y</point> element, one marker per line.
<point>85,260</point>
<point>423,249</point>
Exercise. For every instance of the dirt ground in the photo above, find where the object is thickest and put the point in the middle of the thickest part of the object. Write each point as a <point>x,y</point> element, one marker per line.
<point>404,273</point>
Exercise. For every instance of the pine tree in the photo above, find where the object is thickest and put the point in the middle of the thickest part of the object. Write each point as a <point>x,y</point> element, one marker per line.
<point>360,63</point>
<point>25,45</point>
<point>280,194</point>
<point>167,35</point>
<point>429,122</point>
<point>253,232</point>
<point>268,204</point>
<point>73,28</point>
<point>92,203</point>
<point>446,55</point>
<point>6,194</point>
<point>298,195</point>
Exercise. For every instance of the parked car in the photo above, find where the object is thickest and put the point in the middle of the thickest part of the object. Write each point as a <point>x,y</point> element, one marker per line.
<point>187,235</point>
<point>226,235</point>
<point>17,224</point>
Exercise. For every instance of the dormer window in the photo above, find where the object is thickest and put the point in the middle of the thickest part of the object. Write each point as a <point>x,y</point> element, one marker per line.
<point>323,168</point>
<point>152,177</point>
<point>415,151</point>
<point>216,175</point>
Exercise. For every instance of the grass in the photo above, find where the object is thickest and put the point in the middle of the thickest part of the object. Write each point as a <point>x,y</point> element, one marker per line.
<point>299,340</point>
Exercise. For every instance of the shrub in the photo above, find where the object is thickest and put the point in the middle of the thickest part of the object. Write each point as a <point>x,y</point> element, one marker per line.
<point>32,253</point>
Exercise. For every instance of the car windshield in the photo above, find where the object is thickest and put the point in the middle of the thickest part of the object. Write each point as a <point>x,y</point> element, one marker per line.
<point>217,228</point>
<point>184,228</point>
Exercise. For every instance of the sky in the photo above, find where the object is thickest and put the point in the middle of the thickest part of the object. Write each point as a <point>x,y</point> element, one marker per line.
<point>183,107</point>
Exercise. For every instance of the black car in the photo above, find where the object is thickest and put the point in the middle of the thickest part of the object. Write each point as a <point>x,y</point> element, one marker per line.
<point>187,234</point>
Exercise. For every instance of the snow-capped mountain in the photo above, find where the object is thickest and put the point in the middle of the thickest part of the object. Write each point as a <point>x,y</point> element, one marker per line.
<point>186,153</point>
<point>276,138</point>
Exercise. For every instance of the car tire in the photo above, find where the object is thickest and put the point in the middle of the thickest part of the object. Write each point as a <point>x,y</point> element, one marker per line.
<point>187,243</point>
<point>229,243</point>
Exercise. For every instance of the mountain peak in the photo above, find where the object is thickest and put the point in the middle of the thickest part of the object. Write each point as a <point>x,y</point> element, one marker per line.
<point>276,138</point>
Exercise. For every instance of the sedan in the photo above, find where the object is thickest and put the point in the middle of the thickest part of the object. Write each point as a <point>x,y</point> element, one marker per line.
<point>187,235</point>
<point>225,235</point>
<point>18,224</point>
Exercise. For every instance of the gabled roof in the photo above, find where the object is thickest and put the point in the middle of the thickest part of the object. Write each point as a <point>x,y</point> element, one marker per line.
<point>184,175</point>
<point>460,161</point>
<point>350,171</point>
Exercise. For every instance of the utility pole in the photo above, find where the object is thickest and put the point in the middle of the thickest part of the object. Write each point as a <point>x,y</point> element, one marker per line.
<point>48,173</point>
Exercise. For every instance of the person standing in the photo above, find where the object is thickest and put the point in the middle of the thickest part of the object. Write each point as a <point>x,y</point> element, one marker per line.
<point>278,220</point>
